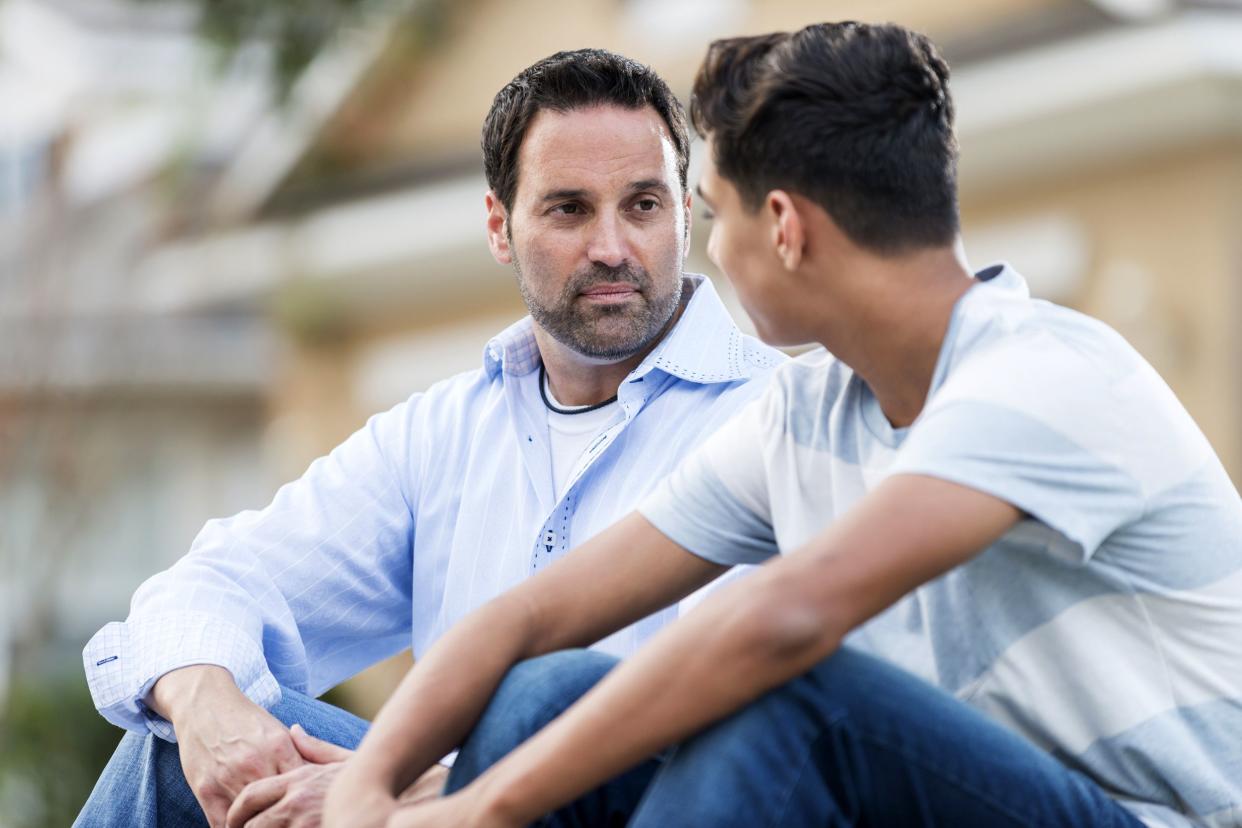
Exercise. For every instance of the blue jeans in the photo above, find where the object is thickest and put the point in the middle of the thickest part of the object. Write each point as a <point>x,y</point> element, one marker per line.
<point>143,784</point>
<point>853,742</point>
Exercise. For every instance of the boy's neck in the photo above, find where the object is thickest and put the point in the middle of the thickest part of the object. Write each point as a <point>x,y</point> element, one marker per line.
<point>891,320</point>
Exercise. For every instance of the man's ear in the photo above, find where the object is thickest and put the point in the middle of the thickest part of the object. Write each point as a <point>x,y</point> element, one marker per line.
<point>498,229</point>
<point>788,233</point>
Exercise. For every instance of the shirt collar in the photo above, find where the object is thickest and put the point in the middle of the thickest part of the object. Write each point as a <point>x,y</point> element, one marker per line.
<point>705,346</point>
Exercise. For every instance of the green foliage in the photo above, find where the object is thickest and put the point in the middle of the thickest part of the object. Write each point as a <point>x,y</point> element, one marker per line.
<point>298,30</point>
<point>53,746</point>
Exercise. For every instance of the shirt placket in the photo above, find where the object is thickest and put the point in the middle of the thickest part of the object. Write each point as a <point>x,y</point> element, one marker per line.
<point>555,536</point>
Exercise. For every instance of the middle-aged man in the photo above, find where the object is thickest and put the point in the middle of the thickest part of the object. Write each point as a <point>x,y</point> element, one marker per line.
<point>1058,547</point>
<point>434,507</point>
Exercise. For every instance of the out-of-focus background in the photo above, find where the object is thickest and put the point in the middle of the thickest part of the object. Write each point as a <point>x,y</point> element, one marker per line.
<point>232,229</point>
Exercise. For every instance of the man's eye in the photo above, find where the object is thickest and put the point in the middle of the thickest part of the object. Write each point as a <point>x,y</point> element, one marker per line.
<point>569,209</point>
<point>647,205</point>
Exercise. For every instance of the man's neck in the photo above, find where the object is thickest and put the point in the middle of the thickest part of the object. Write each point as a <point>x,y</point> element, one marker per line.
<point>891,327</point>
<point>581,380</point>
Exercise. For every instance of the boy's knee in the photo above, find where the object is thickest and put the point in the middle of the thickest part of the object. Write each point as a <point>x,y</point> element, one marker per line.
<point>535,691</point>
<point>532,694</point>
<point>554,677</point>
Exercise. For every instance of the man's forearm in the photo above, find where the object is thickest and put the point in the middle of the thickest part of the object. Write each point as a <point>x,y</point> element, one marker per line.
<point>197,687</point>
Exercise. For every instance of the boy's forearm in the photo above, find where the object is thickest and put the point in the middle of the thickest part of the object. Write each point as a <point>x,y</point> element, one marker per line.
<point>439,701</point>
<point>618,577</point>
<point>746,639</point>
<point>723,655</point>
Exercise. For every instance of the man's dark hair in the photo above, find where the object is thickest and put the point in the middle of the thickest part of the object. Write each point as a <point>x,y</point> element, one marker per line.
<point>855,117</point>
<point>563,82</point>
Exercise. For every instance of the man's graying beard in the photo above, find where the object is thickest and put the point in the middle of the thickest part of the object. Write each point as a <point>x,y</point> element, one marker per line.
<point>575,324</point>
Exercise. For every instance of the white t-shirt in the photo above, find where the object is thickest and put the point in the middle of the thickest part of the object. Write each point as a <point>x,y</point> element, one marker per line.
<point>1107,627</point>
<point>571,434</point>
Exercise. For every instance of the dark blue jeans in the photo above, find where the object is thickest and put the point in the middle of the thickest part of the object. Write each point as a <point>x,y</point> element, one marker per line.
<point>143,784</point>
<point>853,742</point>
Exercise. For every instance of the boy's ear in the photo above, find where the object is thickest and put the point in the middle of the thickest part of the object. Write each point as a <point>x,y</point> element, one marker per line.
<point>688,207</point>
<point>498,229</point>
<point>788,232</point>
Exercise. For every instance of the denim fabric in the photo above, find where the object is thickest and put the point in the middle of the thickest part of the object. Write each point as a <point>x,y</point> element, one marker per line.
<point>143,786</point>
<point>534,693</point>
<point>853,742</point>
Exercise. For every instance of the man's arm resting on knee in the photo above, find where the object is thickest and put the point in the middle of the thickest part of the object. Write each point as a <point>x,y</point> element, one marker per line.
<point>744,640</point>
<point>615,579</point>
<point>226,740</point>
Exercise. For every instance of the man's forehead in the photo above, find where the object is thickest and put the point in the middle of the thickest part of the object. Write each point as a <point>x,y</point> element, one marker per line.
<point>602,146</point>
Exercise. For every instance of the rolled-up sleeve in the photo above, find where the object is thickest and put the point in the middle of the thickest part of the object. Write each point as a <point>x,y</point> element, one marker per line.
<point>304,593</point>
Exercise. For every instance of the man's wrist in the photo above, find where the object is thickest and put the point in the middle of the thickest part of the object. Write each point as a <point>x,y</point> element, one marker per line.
<point>187,688</point>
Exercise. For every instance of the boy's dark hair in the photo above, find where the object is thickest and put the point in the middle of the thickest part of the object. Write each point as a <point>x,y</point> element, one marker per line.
<point>563,82</point>
<point>855,117</point>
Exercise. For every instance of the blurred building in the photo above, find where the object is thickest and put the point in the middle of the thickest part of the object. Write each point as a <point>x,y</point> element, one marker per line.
<point>330,257</point>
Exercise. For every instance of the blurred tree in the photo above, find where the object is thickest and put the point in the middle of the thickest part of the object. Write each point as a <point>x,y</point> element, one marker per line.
<point>53,746</point>
<point>298,30</point>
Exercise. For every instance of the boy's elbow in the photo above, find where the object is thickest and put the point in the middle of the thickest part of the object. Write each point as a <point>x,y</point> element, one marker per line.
<point>789,624</point>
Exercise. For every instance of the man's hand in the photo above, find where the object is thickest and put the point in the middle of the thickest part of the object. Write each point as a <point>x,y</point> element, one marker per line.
<point>226,741</point>
<point>293,799</point>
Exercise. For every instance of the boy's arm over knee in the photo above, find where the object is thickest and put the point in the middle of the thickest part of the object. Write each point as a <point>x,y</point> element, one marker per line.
<point>744,640</point>
<point>618,577</point>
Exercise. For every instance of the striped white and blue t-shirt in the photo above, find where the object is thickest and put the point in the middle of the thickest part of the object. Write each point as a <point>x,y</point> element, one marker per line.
<point>1107,627</point>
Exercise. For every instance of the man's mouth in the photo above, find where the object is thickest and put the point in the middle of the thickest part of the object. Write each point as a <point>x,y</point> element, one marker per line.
<point>610,292</point>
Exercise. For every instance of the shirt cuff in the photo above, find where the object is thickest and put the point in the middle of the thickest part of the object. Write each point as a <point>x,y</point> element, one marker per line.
<point>124,660</point>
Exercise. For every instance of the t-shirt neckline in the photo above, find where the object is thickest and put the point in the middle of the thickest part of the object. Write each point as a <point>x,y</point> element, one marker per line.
<point>873,415</point>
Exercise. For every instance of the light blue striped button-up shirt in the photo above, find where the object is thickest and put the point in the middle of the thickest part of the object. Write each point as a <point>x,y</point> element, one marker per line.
<point>428,511</point>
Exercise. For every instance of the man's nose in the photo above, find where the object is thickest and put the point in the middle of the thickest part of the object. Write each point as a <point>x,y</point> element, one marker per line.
<point>608,245</point>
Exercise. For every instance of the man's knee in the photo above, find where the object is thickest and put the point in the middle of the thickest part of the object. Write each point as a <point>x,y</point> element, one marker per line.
<point>142,781</point>
<point>320,719</point>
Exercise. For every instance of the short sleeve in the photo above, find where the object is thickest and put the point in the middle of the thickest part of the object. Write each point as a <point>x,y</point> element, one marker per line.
<point>1041,431</point>
<point>715,503</point>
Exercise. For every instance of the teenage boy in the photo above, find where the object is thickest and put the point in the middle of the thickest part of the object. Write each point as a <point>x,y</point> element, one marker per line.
<point>1002,579</point>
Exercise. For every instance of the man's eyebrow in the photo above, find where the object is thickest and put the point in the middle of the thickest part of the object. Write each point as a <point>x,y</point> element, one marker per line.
<point>649,184</point>
<point>557,195</point>
<point>698,189</point>
<point>634,187</point>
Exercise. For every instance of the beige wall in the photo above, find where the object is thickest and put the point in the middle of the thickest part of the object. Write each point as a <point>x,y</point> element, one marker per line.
<point>1159,257</point>
<point>1163,269</point>
<point>433,108</point>
<point>1160,247</point>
